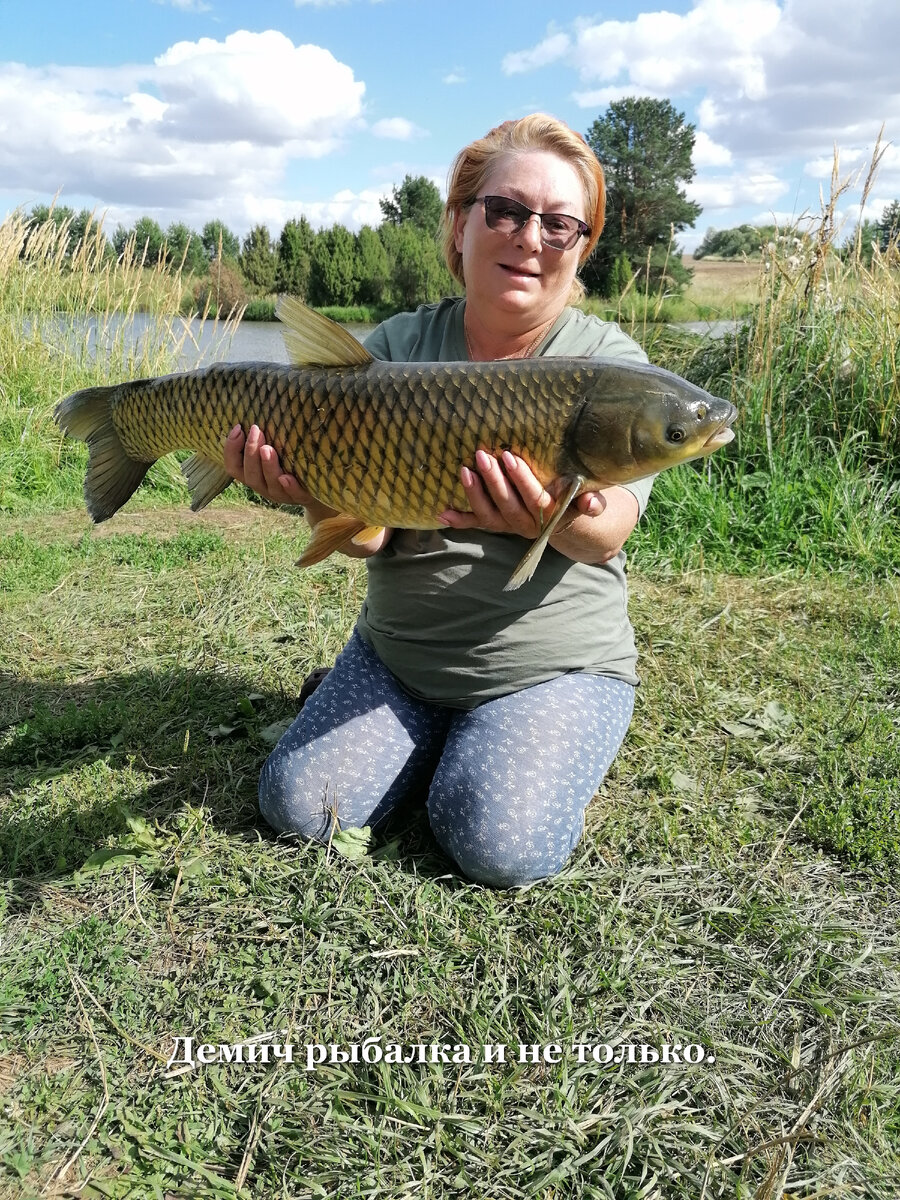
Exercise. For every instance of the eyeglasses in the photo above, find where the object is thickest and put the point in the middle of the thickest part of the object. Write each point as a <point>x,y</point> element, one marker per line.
<point>506,216</point>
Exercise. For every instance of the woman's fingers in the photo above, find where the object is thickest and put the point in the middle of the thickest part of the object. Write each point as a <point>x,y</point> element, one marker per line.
<point>233,451</point>
<point>504,495</point>
<point>255,463</point>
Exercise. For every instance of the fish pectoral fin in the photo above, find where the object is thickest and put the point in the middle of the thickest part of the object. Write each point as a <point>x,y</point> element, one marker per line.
<point>329,535</point>
<point>366,535</point>
<point>528,565</point>
<point>205,479</point>
<point>315,341</point>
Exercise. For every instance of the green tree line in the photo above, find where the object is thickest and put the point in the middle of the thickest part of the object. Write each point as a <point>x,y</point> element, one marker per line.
<point>394,266</point>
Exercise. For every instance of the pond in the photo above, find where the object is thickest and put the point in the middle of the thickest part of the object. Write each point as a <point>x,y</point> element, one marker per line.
<point>202,342</point>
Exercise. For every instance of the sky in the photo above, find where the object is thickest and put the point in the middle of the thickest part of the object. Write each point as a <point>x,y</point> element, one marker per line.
<point>195,110</point>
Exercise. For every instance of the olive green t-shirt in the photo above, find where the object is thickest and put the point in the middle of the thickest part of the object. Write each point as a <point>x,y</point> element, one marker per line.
<point>436,612</point>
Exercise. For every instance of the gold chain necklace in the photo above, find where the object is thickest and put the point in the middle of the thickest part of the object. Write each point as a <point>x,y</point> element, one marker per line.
<point>528,353</point>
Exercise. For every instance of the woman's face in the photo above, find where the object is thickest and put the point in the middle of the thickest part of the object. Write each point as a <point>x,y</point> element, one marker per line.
<point>519,275</point>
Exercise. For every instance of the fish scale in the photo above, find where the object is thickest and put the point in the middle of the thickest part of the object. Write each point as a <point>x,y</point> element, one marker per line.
<point>383,443</point>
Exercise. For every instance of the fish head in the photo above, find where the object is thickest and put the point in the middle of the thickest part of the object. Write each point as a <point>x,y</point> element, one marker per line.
<point>638,420</point>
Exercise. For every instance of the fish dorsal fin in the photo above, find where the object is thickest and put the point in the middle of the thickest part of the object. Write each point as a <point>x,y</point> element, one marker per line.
<point>314,341</point>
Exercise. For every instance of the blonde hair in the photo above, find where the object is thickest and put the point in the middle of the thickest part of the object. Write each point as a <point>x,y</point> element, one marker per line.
<point>538,131</point>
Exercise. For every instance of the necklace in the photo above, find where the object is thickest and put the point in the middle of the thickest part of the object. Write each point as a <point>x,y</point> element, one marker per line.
<point>528,352</point>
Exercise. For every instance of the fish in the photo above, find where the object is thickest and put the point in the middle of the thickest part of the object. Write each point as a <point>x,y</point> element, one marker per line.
<point>382,443</point>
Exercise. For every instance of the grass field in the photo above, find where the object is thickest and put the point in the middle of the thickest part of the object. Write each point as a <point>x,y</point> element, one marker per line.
<point>737,889</point>
<point>722,283</point>
<point>154,661</point>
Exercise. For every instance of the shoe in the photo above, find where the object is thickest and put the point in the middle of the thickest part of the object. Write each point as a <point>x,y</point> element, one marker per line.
<point>310,683</point>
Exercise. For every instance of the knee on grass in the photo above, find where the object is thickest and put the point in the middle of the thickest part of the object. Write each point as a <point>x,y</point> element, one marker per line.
<point>290,808</point>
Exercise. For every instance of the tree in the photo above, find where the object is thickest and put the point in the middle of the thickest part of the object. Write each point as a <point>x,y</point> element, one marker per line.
<point>418,272</point>
<point>889,226</point>
<point>85,230</point>
<point>417,201</point>
<point>185,250</point>
<point>218,239</point>
<point>295,257</point>
<point>373,268</point>
<point>79,227</point>
<point>332,272</point>
<point>222,292</point>
<point>645,148</point>
<point>737,242</point>
<point>258,261</point>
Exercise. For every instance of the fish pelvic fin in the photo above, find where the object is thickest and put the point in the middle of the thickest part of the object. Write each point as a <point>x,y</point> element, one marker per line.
<point>528,565</point>
<point>205,480</point>
<point>315,341</point>
<point>366,535</point>
<point>330,534</point>
<point>112,476</point>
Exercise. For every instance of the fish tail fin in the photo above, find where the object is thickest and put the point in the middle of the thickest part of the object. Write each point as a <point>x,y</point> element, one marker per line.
<point>112,476</point>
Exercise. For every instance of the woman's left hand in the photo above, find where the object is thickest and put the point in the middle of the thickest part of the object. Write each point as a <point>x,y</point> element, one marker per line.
<point>507,497</point>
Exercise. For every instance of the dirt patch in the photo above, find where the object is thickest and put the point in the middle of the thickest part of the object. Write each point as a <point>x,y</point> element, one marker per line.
<point>163,522</point>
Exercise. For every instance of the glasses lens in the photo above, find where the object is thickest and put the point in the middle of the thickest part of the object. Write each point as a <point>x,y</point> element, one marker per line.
<point>506,216</point>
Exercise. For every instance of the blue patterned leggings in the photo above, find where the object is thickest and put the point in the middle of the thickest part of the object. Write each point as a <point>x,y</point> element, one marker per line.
<point>507,783</point>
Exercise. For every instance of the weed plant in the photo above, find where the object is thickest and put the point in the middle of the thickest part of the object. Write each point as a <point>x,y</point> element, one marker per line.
<point>812,478</point>
<point>70,321</point>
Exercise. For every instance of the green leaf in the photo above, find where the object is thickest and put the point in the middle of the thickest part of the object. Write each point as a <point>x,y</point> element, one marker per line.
<point>273,733</point>
<point>352,843</point>
<point>110,856</point>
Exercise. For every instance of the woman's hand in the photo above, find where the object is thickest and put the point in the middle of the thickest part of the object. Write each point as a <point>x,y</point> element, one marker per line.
<point>254,463</point>
<point>506,497</point>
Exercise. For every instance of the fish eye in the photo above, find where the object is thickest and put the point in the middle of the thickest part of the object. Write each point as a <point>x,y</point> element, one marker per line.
<point>675,433</point>
<point>702,411</point>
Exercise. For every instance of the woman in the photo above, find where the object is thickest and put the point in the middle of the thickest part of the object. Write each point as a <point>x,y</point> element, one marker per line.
<point>505,708</point>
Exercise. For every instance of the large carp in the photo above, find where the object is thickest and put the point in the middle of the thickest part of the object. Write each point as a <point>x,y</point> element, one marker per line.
<point>383,443</point>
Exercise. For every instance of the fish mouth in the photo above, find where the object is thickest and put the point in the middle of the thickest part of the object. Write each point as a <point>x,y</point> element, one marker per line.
<point>719,437</point>
<point>722,434</point>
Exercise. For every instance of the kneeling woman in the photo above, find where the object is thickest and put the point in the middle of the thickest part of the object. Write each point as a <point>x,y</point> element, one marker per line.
<point>503,709</point>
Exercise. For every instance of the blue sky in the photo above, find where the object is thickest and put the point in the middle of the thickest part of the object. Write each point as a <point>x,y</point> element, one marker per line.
<point>189,110</point>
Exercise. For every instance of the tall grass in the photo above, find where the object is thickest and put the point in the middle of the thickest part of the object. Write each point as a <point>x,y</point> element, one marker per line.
<point>66,321</point>
<point>812,477</point>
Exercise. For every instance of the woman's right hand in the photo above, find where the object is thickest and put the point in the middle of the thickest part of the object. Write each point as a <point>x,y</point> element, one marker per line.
<point>254,463</point>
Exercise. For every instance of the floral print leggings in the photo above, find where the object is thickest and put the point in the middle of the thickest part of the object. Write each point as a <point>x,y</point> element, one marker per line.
<point>506,784</point>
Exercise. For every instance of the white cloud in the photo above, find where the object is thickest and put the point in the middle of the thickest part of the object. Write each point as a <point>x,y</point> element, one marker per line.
<point>346,207</point>
<point>397,128</point>
<point>601,98</point>
<point>708,153</point>
<point>207,119</point>
<point>186,5</point>
<point>784,78</point>
<point>457,75</point>
<point>663,52</point>
<point>551,49</point>
<point>747,187</point>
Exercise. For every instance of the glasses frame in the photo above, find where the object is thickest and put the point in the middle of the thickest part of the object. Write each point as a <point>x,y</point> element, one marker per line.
<point>583,230</point>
